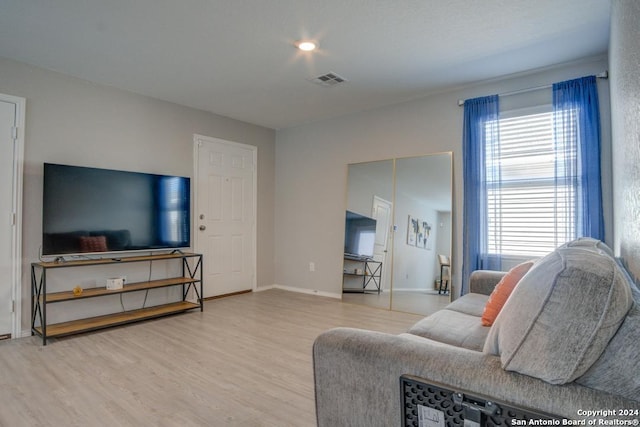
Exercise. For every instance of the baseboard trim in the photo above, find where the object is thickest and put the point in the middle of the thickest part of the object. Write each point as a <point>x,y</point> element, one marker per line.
<point>263,288</point>
<point>227,295</point>
<point>300,291</point>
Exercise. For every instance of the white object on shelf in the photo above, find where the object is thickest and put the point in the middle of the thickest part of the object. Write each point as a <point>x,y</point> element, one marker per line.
<point>115,283</point>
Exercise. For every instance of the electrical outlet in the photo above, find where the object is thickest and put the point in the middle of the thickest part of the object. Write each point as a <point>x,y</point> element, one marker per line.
<point>312,266</point>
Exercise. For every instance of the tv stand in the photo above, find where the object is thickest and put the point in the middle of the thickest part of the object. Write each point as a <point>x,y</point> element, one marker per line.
<point>191,278</point>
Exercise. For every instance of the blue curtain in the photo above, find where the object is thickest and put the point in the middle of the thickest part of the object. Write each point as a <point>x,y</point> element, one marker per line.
<point>480,129</point>
<point>577,130</point>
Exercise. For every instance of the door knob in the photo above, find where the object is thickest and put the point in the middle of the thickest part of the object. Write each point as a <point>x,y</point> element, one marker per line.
<point>203,227</point>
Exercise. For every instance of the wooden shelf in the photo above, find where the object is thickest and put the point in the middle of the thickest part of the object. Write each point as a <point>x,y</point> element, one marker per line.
<point>99,322</point>
<point>191,275</point>
<point>133,287</point>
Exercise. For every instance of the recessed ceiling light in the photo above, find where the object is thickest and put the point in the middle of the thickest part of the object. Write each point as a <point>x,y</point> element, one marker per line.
<point>306,45</point>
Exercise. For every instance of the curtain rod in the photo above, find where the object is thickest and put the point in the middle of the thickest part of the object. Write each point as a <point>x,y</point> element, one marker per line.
<point>602,75</point>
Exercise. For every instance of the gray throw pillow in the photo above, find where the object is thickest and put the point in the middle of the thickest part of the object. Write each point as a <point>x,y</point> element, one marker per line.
<point>591,244</point>
<point>616,371</point>
<point>561,315</point>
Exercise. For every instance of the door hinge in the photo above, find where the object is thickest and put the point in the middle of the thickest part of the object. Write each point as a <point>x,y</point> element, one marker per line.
<point>14,132</point>
<point>13,306</point>
<point>13,219</point>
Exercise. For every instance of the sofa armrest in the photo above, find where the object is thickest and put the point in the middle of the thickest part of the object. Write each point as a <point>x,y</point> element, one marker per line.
<point>483,281</point>
<point>357,379</point>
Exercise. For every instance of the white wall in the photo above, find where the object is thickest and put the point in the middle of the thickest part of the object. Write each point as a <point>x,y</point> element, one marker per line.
<point>624,57</point>
<point>366,180</point>
<point>443,243</point>
<point>311,171</point>
<point>72,121</point>
<point>413,267</point>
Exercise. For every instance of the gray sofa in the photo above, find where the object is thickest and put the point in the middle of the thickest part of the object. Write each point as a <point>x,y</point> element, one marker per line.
<point>566,342</point>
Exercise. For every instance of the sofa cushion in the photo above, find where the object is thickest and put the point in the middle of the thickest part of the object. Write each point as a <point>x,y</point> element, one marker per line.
<point>472,304</point>
<point>502,291</point>
<point>452,327</point>
<point>616,369</point>
<point>484,281</point>
<point>561,316</point>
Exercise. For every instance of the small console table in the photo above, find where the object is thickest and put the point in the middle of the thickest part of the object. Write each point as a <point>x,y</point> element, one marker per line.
<point>371,274</point>
<point>191,278</point>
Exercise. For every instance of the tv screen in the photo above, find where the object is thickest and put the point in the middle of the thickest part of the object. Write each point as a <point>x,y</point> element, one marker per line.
<point>90,210</point>
<point>359,235</point>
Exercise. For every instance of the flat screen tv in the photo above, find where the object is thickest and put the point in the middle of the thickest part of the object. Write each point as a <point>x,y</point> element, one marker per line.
<point>90,210</point>
<point>359,235</point>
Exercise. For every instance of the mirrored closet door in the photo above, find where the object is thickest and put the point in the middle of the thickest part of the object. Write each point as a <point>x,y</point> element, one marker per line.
<point>398,233</point>
<point>368,217</point>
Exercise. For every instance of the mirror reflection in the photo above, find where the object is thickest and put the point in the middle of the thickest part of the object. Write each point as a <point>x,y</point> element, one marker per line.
<point>422,219</point>
<point>367,276</point>
<point>404,264</point>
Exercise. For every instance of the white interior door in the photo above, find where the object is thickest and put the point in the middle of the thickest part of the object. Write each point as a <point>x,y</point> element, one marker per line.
<point>225,214</point>
<point>381,212</point>
<point>11,143</point>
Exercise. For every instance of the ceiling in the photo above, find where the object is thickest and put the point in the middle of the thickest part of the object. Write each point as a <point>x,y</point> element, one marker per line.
<point>236,58</point>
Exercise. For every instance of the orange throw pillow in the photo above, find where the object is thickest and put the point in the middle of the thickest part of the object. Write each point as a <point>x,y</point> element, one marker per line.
<point>502,291</point>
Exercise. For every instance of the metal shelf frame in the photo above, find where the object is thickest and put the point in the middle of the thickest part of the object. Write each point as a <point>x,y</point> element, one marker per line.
<point>372,274</point>
<point>192,278</point>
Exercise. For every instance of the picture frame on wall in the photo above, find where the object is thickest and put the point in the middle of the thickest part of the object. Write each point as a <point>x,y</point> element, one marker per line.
<point>418,233</point>
<point>412,231</point>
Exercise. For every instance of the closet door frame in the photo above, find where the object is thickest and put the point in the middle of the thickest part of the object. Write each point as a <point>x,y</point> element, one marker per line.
<point>15,223</point>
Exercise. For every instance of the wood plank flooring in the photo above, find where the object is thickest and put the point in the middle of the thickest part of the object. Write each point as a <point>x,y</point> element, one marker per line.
<point>244,361</point>
<point>420,302</point>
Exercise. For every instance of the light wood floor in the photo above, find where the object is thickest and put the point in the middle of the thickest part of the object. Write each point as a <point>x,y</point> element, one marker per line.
<point>244,361</point>
<point>419,302</point>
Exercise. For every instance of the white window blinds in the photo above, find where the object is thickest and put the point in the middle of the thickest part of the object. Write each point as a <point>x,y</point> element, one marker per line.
<point>530,192</point>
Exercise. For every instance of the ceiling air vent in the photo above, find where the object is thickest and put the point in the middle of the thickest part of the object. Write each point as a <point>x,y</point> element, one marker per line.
<point>328,80</point>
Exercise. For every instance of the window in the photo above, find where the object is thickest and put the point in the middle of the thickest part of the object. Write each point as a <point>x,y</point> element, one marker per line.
<point>531,178</point>
<point>531,195</point>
